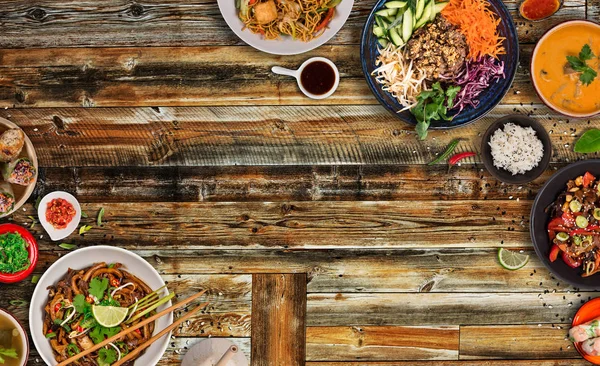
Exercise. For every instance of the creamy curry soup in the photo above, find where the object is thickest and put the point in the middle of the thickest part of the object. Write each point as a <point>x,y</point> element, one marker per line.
<point>556,81</point>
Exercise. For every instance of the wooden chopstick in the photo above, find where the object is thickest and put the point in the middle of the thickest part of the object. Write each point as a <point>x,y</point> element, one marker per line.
<point>124,332</point>
<point>149,342</point>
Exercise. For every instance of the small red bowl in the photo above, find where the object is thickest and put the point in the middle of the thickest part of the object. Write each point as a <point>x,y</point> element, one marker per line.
<point>589,311</point>
<point>32,248</point>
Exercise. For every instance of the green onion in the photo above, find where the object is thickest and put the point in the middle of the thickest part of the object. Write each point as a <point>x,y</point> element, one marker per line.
<point>67,246</point>
<point>446,154</point>
<point>19,303</point>
<point>84,229</point>
<point>83,214</point>
<point>50,335</point>
<point>100,216</point>
<point>35,279</point>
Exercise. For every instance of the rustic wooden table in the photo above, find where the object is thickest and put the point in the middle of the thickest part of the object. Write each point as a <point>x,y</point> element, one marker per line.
<point>316,225</point>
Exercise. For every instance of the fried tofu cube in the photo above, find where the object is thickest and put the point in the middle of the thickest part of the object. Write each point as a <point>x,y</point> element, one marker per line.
<point>265,12</point>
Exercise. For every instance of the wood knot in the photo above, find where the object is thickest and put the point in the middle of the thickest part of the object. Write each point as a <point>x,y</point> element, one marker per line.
<point>58,122</point>
<point>427,287</point>
<point>20,96</point>
<point>136,10</point>
<point>396,133</point>
<point>37,14</point>
<point>287,209</point>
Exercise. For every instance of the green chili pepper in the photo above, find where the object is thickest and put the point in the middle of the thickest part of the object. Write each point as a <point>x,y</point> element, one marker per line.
<point>451,146</point>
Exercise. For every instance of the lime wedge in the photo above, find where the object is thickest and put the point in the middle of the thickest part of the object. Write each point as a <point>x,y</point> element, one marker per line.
<point>512,260</point>
<point>109,316</point>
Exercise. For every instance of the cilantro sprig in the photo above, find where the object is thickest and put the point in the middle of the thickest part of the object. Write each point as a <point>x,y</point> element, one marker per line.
<point>106,356</point>
<point>579,64</point>
<point>7,352</point>
<point>433,104</point>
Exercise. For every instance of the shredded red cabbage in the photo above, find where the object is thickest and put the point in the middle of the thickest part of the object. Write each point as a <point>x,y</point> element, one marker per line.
<point>476,77</point>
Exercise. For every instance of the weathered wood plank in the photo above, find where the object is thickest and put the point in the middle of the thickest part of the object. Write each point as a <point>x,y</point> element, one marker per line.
<point>279,183</point>
<point>346,309</point>
<point>518,341</point>
<point>217,136</point>
<point>557,362</point>
<point>297,225</point>
<point>166,23</point>
<point>184,76</point>
<point>358,270</point>
<point>381,343</point>
<point>278,319</point>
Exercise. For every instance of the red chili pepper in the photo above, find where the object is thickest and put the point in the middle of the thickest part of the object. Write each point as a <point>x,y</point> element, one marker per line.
<point>114,282</point>
<point>460,156</point>
<point>573,263</point>
<point>588,178</point>
<point>589,230</point>
<point>554,253</point>
<point>79,329</point>
<point>568,219</point>
<point>252,2</point>
<point>326,20</point>
<point>138,331</point>
<point>57,307</point>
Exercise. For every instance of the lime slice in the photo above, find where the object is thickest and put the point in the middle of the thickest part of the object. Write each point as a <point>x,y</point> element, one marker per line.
<point>109,316</point>
<point>512,260</point>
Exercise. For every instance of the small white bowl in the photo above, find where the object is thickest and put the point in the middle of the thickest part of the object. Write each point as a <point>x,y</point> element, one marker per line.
<point>83,258</point>
<point>57,234</point>
<point>296,74</point>
<point>24,340</point>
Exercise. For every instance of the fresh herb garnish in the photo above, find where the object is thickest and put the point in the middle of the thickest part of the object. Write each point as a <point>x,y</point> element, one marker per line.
<point>80,303</point>
<point>13,253</point>
<point>100,216</point>
<point>72,349</point>
<point>35,279</point>
<point>67,246</point>
<point>100,334</point>
<point>98,286</point>
<point>580,65</point>
<point>106,356</point>
<point>589,142</point>
<point>37,202</point>
<point>84,229</point>
<point>433,105</point>
<point>7,352</point>
<point>19,303</point>
<point>51,335</point>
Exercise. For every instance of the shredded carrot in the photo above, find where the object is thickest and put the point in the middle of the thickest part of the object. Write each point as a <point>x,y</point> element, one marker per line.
<point>479,24</point>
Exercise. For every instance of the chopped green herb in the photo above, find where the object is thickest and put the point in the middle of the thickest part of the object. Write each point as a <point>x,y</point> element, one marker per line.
<point>97,287</point>
<point>51,335</point>
<point>7,352</point>
<point>99,333</point>
<point>80,303</point>
<point>19,303</point>
<point>100,216</point>
<point>35,279</point>
<point>106,356</point>
<point>111,265</point>
<point>33,221</point>
<point>14,256</point>
<point>72,349</point>
<point>84,229</point>
<point>37,202</point>
<point>433,105</point>
<point>67,246</point>
<point>83,214</point>
<point>579,64</point>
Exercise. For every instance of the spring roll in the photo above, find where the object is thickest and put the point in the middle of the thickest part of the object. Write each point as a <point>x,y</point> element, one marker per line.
<point>7,198</point>
<point>585,331</point>
<point>20,171</point>
<point>591,346</point>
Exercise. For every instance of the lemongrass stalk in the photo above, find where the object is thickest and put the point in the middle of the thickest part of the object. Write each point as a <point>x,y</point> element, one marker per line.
<point>146,298</point>
<point>154,306</point>
<point>145,306</point>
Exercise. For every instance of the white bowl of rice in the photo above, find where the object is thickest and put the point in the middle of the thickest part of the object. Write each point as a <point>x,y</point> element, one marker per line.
<point>516,149</point>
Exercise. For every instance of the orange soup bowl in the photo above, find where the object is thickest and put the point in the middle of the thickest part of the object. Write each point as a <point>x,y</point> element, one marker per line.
<point>557,84</point>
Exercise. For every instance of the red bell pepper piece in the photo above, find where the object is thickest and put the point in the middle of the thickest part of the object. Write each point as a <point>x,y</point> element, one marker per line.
<point>554,253</point>
<point>573,263</point>
<point>589,230</point>
<point>588,179</point>
<point>326,20</point>
<point>557,225</point>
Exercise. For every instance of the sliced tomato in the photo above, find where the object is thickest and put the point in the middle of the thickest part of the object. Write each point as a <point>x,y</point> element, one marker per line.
<point>554,253</point>
<point>568,219</point>
<point>573,263</point>
<point>588,179</point>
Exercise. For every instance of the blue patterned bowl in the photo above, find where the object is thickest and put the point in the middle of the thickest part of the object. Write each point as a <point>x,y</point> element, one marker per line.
<point>488,99</point>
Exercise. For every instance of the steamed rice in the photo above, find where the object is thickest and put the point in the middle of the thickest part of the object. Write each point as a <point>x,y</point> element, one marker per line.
<point>516,149</point>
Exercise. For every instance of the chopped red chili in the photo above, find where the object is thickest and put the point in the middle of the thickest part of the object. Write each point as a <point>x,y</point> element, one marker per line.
<point>460,156</point>
<point>60,213</point>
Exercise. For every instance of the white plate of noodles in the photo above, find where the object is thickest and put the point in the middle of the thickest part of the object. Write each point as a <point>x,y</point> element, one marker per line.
<point>285,27</point>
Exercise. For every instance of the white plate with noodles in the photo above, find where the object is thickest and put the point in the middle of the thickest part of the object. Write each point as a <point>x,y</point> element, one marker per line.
<point>125,276</point>
<point>285,27</point>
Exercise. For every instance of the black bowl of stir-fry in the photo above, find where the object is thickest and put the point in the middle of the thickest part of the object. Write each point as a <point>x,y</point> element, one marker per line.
<point>565,224</point>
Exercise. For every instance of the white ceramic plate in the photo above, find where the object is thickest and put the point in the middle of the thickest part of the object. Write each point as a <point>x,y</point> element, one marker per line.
<point>22,193</point>
<point>57,234</point>
<point>83,258</point>
<point>285,45</point>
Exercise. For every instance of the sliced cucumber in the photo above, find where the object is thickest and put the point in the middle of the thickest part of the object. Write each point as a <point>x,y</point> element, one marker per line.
<point>386,12</point>
<point>379,32</point>
<point>440,6</point>
<point>425,18</point>
<point>395,37</point>
<point>390,19</point>
<point>419,9</point>
<point>421,22</point>
<point>432,14</point>
<point>383,42</point>
<point>407,24</point>
<point>395,4</point>
<point>396,22</point>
